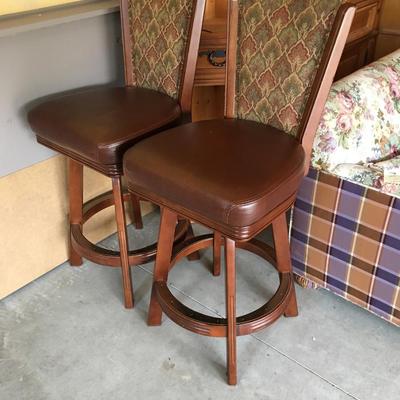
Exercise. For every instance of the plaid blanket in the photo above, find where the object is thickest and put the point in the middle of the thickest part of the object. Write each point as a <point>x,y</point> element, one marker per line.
<point>346,238</point>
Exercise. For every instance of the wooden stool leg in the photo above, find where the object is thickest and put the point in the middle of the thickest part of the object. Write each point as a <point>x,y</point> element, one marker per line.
<point>230,287</point>
<point>282,249</point>
<point>163,261</point>
<point>196,255</point>
<point>292,309</point>
<point>136,212</point>
<point>75,187</point>
<point>217,254</point>
<point>123,242</point>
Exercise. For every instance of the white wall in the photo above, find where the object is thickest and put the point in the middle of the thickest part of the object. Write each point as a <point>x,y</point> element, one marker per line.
<point>49,60</point>
<point>33,189</point>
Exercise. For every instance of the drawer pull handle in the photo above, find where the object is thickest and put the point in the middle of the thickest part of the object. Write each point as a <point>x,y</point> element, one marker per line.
<point>212,55</point>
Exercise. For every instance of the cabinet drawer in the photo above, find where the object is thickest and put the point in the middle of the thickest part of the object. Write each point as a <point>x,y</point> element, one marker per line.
<point>365,20</point>
<point>208,74</point>
<point>213,37</point>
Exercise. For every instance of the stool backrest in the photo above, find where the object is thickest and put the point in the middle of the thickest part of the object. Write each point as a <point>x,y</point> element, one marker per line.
<point>281,61</point>
<point>161,40</point>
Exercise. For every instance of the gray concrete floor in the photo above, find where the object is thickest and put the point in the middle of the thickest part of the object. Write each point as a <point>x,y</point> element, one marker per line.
<point>67,336</point>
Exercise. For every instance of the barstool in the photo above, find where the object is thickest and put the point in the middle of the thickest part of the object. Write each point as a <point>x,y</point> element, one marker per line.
<point>239,175</point>
<point>94,127</point>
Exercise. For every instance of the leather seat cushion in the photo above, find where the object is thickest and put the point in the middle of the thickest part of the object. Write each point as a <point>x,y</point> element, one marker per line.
<point>231,172</point>
<point>98,125</point>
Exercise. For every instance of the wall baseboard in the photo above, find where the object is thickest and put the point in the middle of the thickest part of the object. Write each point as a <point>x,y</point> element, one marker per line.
<point>390,32</point>
<point>388,41</point>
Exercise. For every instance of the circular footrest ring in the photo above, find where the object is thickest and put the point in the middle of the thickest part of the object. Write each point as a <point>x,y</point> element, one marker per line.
<point>217,327</point>
<point>111,258</point>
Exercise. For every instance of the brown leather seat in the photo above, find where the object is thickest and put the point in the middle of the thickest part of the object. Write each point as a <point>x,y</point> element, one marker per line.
<point>96,126</point>
<point>230,172</point>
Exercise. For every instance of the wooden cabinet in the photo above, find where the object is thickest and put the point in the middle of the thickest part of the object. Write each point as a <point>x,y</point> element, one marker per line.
<point>210,64</point>
<point>360,48</point>
<point>389,28</point>
<point>208,96</point>
<point>210,79</point>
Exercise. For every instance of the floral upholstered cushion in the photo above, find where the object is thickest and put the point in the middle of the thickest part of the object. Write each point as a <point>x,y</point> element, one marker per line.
<point>391,170</point>
<point>280,47</point>
<point>372,175</point>
<point>361,122</point>
<point>159,31</point>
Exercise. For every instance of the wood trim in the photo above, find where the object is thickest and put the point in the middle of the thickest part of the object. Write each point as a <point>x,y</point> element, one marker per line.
<point>123,242</point>
<point>17,23</point>
<point>324,79</point>
<point>390,32</point>
<point>231,57</point>
<point>365,21</point>
<point>126,43</point>
<point>230,305</point>
<point>192,48</point>
<point>186,89</point>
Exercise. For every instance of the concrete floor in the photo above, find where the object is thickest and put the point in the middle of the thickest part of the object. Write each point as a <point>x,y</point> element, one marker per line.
<point>67,336</point>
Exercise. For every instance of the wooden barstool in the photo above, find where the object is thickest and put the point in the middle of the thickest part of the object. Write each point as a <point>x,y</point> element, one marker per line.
<point>239,175</point>
<point>95,127</point>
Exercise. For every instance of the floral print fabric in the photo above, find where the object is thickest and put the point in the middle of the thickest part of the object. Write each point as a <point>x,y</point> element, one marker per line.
<point>159,31</point>
<point>280,46</point>
<point>375,175</point>
<point>361,122</point>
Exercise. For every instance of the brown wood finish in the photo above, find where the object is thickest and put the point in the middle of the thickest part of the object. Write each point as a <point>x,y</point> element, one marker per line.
<point>389,29</point>
<point>126,43</point>
<point>161,268</point>
<point>230,289</point>
<point>359,50</point>
<point>111,258</point>
<point>208,102</point>
<point>123,242</point>
<point>189,235</point>
<point>217,243</point>
<point>185,97</point>
<point>136,212</point>
<point>283,261</point>
<point>365,19</point>
<point>213,37</point>
<point>75,184</point>
<point>186,87</point>
<point>360,47</point>
<point>206,325</point>
<point>231,51</point>
<point>324,79</point>
<point>208,95</point>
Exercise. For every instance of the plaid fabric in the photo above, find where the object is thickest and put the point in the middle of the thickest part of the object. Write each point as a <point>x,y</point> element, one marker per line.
<point>346,238</point>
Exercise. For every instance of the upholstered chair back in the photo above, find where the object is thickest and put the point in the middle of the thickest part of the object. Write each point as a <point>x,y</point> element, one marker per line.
<point>279,49</point>
<point>156,39</point>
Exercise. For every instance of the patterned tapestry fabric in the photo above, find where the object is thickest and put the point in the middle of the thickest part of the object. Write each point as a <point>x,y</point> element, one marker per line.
<point>361,120</point>
<point>159,30</point>
<point>346,238</point>
<point>280,47</point>
<point>383,176</point>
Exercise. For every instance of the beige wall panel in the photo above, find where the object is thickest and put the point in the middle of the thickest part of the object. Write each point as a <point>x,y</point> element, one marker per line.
<point>34,220</point>
<point>389,36</point>
<point>386,44</point>
<point>391,14</point>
